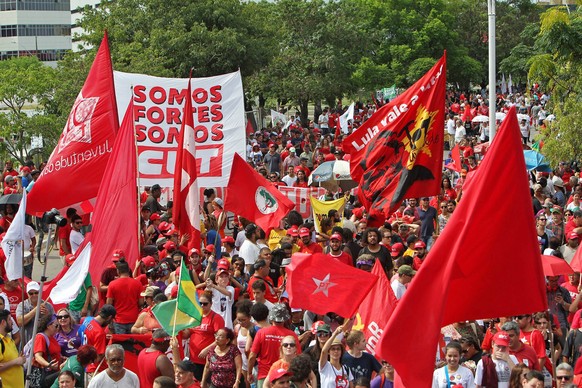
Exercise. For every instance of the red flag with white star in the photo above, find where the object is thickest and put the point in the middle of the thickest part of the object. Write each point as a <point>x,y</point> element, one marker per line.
<point>321,284</point>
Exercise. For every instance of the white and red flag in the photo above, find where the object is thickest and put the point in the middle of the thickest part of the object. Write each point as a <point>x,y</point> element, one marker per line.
<point>74,170</point>
<point>186,214</point>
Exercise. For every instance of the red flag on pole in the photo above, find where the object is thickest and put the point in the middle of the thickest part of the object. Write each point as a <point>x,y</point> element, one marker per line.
<point>250,195</point>
<point>79,160</point>
<point>376,309</point>
<point>322,284</point>
<point>249,127</point>
<point>116,216</point>
<point>455,165</point>
<point>398,152</point>
<point>186,214</point>
<point>464,277</point>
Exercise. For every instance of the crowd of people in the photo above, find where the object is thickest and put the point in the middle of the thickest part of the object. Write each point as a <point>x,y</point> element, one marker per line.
<point>249,334</point>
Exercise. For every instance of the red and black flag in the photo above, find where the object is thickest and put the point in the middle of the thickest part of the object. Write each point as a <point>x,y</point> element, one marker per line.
<point>398,152</point>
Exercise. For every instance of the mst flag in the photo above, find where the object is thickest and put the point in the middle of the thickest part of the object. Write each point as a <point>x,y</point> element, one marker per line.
<point>463,265</point>
<point>12,242</point>
<point>376,309</point>
<point>398,152</point>
<point>250,195</point>
<point>186,201</point>
<point>322,284</point>
<point>80,157</point>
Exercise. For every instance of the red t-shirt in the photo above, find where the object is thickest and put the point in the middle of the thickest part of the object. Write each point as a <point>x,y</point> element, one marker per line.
<point>64,233</point>
<point>343,257</point>
<point>312,248</point>
<point>203,335</point>
<point>267,345</point>
<point>528,356</point>
<point>147,370</point>
<point>54,349</point>
<point>14,297</point>
<point>125,293</point>
<point>95,336</point>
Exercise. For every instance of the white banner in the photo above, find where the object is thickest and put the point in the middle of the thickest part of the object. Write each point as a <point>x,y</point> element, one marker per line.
<point>219,124</point>
<point>300,197</point>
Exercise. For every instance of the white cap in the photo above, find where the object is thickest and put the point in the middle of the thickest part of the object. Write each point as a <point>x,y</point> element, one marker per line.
<point>32,286</point>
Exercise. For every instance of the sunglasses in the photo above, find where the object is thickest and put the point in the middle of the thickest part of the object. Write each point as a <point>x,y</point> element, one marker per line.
<point>33,293</point>
<point>322,334</point>
<point>204,303</point>
<point>63,316</point>
<point>177,261</point>
<point>288,344</point>
<point>567,378</point>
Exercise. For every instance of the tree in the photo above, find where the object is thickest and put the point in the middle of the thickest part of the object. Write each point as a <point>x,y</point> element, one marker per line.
<point>26,88</point>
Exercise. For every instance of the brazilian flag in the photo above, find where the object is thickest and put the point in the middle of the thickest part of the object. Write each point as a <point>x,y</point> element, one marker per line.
<point>181,313</point>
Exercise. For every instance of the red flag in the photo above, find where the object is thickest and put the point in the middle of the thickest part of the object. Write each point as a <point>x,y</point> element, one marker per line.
<point>398,152</point>
<point>455,165</point>
<point>249,127</point>
<point>576,262</point>
<point>322,284</point>
<point>186,214</point>
<point>376,309</point>
<point>78,162</point>
<point>464,277</point>
<point>115,219</point>
<point>250,195</point>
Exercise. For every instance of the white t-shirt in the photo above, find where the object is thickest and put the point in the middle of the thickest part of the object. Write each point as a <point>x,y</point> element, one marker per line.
<point>334,378</point>
<point>249,251</point>
<point>129,380</point>
<point>503,372</point>
<point>222,305</point>
<point>289,181</point>
<point>398,288</point>
<point>451,127</point>
<point>460,133</point>
<point>462,376</point>
<point>76,238</point>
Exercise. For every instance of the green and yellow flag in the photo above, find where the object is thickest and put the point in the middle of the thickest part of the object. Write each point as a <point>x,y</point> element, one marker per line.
<point>181,313</point>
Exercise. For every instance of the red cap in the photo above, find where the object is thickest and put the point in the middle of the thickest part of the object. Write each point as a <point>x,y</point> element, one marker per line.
<point>419,245</point>
<point>209,248</point>
<point>25,170</point>
<point>573,236</point>
<point>117,254</point>
<point>293,232</point>
<point>329,158</point>
<point>223,264</point>
<point>396,249</point>
<point>336,236</point>
<point>316,130</point>
<point>501,338</point>
<point>228,239</point>
<point>166,228</point>
<point>221,271</point>
<point>70,259</point>
<point>169,245</point>
<point>358,212</point>
<point>174,293</point>
<point>154,217</point>
<point>278,373</point>
<point>149,261</point>
<point>192,251</point>
<point>304,232</point>
<point>272,144</point>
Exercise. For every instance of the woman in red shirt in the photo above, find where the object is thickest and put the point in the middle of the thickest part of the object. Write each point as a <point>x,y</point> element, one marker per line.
<point>447,190</point>
<point>301,179</point>
<point>47,353</point>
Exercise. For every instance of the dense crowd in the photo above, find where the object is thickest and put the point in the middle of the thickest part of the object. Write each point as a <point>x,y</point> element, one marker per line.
<point>249,333</point>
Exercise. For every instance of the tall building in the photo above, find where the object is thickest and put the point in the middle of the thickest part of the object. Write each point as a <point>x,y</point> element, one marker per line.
<point>76,15</point>
<point>35,27</point>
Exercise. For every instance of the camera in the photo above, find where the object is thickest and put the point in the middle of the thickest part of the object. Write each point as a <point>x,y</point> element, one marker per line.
<point>54,217</point>
<point>159,271</point>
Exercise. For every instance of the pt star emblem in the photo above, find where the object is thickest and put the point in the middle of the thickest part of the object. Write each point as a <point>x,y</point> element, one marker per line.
<point>323,285</point>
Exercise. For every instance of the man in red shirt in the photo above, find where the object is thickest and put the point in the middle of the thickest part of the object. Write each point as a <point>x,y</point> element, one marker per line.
<point>575,225</point>
<point>267,343</point>
<point>109,274</point>
<point>153,362</point>
<point>308,246</point>
<point>93,332</point>
<point>124,294</point>
<point>262,272</point>
<point>532,337</point>
<point>524,353</point>
<point>336,251</point>
<point>419,254</point>
<point>64,233</point>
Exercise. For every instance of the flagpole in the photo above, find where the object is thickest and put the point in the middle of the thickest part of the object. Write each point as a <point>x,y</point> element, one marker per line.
<point>138,199</point>
<point>43,278</point>
<point>21,345</point>
<point>492,80</point>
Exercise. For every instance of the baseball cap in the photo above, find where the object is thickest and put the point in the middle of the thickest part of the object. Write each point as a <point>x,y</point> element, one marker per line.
<point>278,373</point>
<point>193,251</point>
<point>32,286</point>
<point>364,261</point>
<point>187,366</point>
<point>336,236</point>
<point>573,236</point>
<point>228,239</point>
<point>221,271</point>
<point>501,338</point>
<point>406,270</point>
<point>279,313</point>
<point>70,259</point>
<point>286,261</point>
<point>149,291</point>
<point>293,232</point>
<point>117,255</point>
<point>155,216</point>
<point>324,328</point>
<point>292,149</point>
<point>149,261</point>
<point>304,232</point>
<point>419,245</point>
<point>396,249</point>
<point>209,248</point>
<point>25,170</point>
<point>223,264</point>
<point>169,245</point>
<point>219,201</point>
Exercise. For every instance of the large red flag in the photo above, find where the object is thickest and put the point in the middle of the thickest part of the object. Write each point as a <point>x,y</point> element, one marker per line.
<point>376,309</point>
<point>250,195</point>
<point>322,284</point>
<point>465,277</point>
<point>74,170</point>
<point>115,218</point>
<point>186,214</point>
<point>398,152</point>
